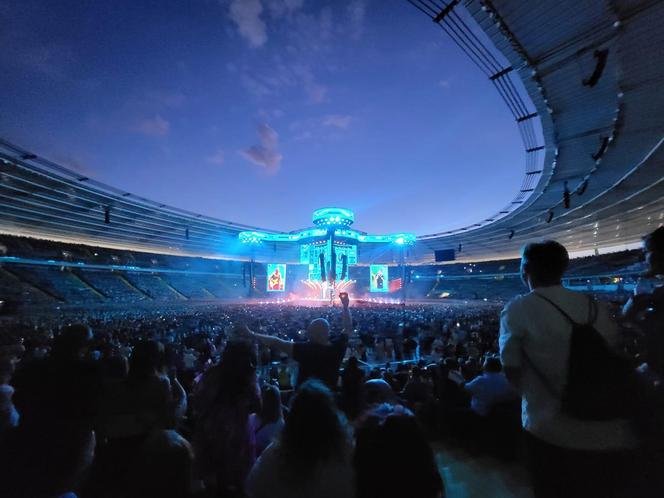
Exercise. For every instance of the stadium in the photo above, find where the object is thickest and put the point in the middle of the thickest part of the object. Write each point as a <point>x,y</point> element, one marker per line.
<point>149,350</point>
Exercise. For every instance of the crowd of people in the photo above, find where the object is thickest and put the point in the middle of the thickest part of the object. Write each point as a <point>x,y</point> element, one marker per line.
<point>284,400</point>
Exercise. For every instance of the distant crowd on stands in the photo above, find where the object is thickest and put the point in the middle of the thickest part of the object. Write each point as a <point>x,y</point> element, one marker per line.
<point>272,400</point>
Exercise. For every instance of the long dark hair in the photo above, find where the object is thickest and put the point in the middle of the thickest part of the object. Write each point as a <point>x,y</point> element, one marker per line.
<point>147,359</point>
<point>237,372</point>
<point>315,430</point>
<point>271,410</point>
<point>387,431</point>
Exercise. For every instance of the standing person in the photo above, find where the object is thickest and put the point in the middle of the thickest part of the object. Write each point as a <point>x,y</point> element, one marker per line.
<point>646,306</point>
<point>57,397</point>
<point>270,421</point>
<point>224,438</point>
<point>352,383</point>
<point>312,457</point>
<point>320,357</point>
<point>393,458</point>
<point>569,457</point>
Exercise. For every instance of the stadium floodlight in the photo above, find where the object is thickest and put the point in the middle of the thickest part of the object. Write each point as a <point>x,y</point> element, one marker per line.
<point>333,216</point>
<point>402,239</point>
<point>253,238</point>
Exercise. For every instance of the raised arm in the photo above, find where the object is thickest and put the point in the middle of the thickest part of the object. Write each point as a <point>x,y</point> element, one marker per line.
<point>272,342</point>
<point>346,319</point>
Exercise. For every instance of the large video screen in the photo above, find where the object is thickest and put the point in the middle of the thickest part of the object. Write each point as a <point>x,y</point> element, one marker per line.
<point>276,277</point>
<point>379,278</point>
<point>310,255</point>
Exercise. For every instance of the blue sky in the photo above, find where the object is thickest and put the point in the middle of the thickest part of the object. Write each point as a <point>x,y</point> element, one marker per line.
<point>260,111</point>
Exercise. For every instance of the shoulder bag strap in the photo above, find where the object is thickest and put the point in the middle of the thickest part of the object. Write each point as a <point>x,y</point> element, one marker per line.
<point>593,310</point>
<point>560,310</point>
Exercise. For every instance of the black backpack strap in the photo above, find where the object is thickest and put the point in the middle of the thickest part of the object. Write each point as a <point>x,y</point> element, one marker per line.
<point>560,310</point>
<point>592,316</point>
<point>592,310</point>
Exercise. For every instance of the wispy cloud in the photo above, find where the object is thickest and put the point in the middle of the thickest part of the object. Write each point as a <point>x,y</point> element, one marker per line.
<point>246,14</point>
<point>356,12</point>
<point>217,158</point>
<point>266,154</point>
<point>444,84</point>
<point>153,127</point>
<point>280,8</point>
<point>341,121</point>
<point>280,77</point>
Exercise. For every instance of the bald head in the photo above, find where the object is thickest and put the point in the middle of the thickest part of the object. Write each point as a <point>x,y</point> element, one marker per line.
<point>318,331</point>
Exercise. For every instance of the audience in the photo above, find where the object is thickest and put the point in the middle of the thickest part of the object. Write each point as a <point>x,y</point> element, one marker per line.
<point>109,414</point>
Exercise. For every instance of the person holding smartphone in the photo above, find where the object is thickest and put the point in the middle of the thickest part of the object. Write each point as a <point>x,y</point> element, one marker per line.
<point>321,355</point>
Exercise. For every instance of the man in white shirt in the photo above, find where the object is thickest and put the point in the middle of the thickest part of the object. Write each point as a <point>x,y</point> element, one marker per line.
<point>568,457</point>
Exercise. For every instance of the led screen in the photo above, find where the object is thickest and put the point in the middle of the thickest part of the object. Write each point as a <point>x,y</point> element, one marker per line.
<point>379,278</point>
<point>276,277</point>
<point>310,255</point>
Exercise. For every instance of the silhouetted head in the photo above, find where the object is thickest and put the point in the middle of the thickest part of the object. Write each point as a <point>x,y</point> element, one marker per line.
<point>390,445</point>
<point>147,359</point>
<point>237,372</point>
<point>543,264</point>
<point>162,468</point>
<point>73,342</point>
<point>315,430</point>
<point>653,247</point>
<point>318,331</point>
<point>378,391</point>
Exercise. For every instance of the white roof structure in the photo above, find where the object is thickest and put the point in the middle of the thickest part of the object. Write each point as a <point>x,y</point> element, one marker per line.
<point>582,80</point>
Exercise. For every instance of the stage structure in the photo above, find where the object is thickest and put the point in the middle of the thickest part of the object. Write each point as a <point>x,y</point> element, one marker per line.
<point>329,248</point>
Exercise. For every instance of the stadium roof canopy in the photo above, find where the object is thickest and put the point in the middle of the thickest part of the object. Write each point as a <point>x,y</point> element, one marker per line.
<point>582,80</point>
<point>594,72</point>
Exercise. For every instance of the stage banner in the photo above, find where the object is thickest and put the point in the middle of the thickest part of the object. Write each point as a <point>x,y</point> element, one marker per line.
<point>379,278</point>
<point>276,277</point>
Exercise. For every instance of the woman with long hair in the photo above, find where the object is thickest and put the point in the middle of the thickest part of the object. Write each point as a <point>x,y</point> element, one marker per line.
<point>271,418</point>
<point>393,458</point>
<point>312,456</point>
<point>224,434</point>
